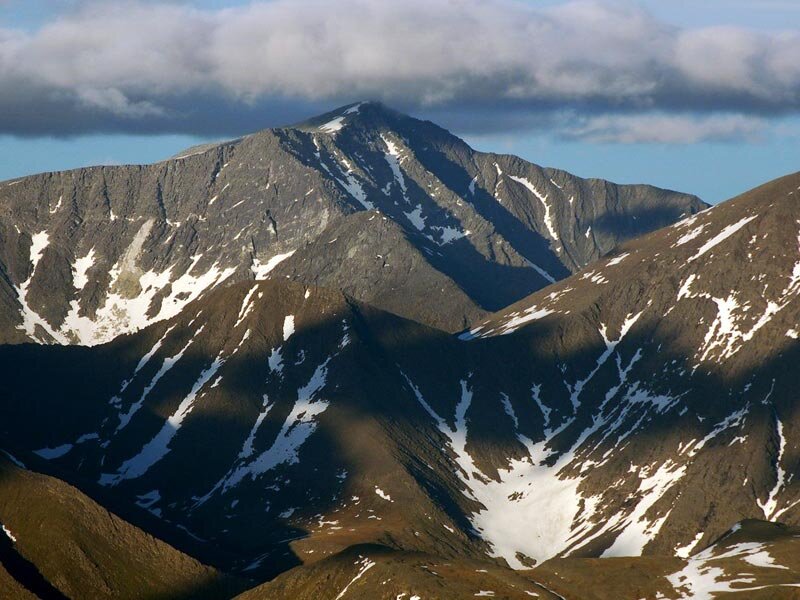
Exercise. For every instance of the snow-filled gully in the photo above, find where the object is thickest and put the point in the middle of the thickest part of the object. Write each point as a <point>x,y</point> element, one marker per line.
<point>535,508</point>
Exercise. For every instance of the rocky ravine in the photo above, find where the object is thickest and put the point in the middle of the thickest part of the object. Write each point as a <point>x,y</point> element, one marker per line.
<point>364,199</point>
<point>642,407</point>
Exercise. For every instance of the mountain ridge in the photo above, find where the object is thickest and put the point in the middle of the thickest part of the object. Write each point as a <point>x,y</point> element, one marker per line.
<point>590,420</point>
<point>89,254</point>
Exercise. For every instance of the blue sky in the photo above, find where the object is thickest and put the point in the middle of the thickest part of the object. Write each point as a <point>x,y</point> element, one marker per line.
<point>717,132</point>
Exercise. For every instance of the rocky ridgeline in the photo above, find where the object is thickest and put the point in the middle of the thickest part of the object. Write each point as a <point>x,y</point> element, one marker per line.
<point>380,205</point>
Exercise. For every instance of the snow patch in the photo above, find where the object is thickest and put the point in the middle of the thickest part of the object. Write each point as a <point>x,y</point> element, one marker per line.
<point>449,234</point>
<point>30,318</point>
<point>299,425</point>
<point>704,575</point>
<point>528,315</point>
<point>721,237</point>
<point>158,447</point>
<point>548,219</point>
<point>770,505</point>
<point>639,530</point>
<point>333,126</point>
<point>365,565</point>
<point>415,217</point>
<point>168,363</point>
<point>261,270</point>
<point>79,269</point>
<point>8,533</point>
<point>618,259</point>
<point>52,453</point>
<point>247,447</point>
<point>688,237</point>
<point>685,551</point>
<point>529,510</point>
<point>393,158</point>
<point>121,313</point>
<point>288,327</point>
<point>383,494</point>
<point>247,306</point>
<point>541,271</point>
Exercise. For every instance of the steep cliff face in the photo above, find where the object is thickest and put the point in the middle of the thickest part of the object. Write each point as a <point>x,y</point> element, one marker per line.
<point>89,254</point>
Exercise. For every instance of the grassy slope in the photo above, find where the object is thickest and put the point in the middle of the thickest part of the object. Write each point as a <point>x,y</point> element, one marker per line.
<point>87,552</point>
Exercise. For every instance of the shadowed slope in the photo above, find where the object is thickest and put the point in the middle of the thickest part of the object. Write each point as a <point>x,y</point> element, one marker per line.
<point>60,544</point>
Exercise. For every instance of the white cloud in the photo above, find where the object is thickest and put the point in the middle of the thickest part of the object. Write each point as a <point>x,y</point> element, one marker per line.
<point>113,101</point>
<point>668,129</point>
<point>150,66</point>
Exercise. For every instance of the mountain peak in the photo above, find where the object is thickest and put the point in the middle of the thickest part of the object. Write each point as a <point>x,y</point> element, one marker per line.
<point>367,113</point>
<point>481,230</point>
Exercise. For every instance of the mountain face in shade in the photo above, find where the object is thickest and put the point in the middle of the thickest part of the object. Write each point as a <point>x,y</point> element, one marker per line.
<point>378,204</point>
<point>57,543</point>
<point>633,425</point>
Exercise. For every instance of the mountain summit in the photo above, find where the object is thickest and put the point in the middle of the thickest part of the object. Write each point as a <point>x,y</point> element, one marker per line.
<point>364,199</point>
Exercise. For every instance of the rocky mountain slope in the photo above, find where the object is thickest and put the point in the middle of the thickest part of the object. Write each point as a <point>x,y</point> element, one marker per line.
<point>363,199</point>
<point>642,407</point>
<point>754,560</point>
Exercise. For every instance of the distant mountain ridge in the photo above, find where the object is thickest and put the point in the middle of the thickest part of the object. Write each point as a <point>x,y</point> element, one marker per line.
<point>362,199</point>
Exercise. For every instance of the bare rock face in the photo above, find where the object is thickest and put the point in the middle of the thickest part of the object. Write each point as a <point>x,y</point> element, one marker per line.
<point>89,254</point>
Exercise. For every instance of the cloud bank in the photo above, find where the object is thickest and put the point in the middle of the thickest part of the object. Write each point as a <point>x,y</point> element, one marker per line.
<point>480,65</point>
